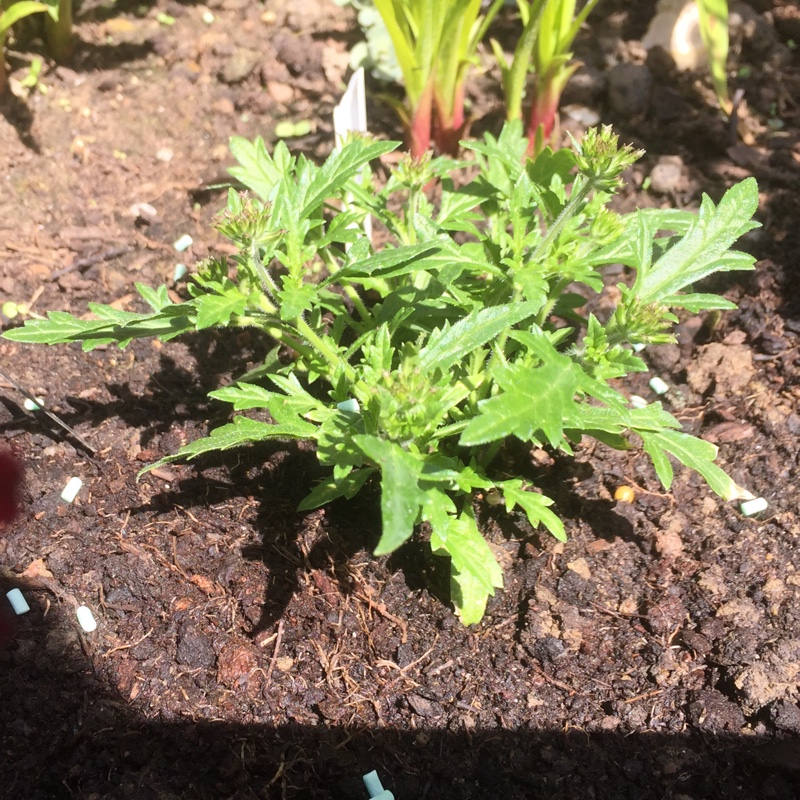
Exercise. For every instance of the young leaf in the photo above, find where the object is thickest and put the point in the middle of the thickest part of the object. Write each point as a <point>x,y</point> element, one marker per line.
<point>475,573</point>
<point>401,496</point>
<point>257,170</point>
<point>215,309</point>
<point>535,506</point>
<point>534,401</point>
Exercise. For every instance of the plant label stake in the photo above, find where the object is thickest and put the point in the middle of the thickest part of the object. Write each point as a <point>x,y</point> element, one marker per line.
<point>375,788</point>
<point>350,116</point>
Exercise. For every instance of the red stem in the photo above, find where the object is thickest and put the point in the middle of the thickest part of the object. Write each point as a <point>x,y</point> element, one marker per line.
<point>543,114</point>
<point>420,128</point>
<point>448,132</point>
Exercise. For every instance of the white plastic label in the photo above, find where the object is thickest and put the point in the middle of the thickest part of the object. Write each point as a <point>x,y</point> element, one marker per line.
<point>18,601</point>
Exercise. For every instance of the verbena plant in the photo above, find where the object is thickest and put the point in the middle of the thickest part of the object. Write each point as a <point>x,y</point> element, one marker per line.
<point>413,365</point>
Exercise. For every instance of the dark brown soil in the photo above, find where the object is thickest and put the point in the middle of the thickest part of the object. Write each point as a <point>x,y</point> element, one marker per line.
<point>244,650</point>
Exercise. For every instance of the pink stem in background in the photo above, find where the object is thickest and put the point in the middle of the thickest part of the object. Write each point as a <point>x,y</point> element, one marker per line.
<point>448,132</point>
<point>543,113</point>
<point>420,128</point>
<point>10,486</point>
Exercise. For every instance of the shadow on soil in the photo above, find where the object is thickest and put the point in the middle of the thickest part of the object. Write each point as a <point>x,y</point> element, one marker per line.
<point>100,746</point>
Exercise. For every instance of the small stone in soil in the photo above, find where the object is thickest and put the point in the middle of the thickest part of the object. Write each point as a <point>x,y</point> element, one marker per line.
<point>667,176</point>
<point>629,89</point>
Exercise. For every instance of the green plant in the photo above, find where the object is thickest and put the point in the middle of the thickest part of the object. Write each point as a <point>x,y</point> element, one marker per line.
<point>11,13</point>
<point>549,28</point>
<point>58,31</point>
<point>57,27</point>
<point>414,364</point>
<point>376,52</point>
<point>435,42</point>
<point>713,16</point>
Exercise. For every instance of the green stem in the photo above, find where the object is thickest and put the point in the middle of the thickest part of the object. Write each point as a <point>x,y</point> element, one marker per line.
<point>449,430</point>
<point>327,352</point>
<point>274,328</point>
<point>552,299</point>
<point>267,284</point>
<point>280,335</point>
<point>578,195</point>
<point>3,75</point>
<point>59,34</point>
<point>358,303</point>
<point>351,291</point>
<point>488,453</point>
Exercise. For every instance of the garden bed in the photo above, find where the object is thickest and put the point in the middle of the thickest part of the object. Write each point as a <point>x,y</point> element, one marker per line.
<point>247,650</point>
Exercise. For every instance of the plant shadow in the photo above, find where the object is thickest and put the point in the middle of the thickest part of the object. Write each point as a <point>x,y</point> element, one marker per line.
<point>67,733</point>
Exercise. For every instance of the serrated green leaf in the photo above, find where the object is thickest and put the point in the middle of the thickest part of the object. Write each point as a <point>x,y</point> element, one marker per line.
<point>117,326</point>
<point>698,302</point>
<point>386,263</point>
<point>295,299</point>
<point>704,249</point>
<point>329,490</point>
<point>533,400</point>
<point>241,431</point>
<point>157,299</point>
<point>660,460</point>
<point>475,573</point>
<point>243,396</point>
<point>287,411</point>
<point>215,309</point>
<point>59,327</point>
<point>339,168</point>
<point>401,496</point>
<point>468,595</point>
<point>449,345</point>
<point>114,315</point>
<point>256,168</point>
<point>694,453</point>
<point>535,506</point>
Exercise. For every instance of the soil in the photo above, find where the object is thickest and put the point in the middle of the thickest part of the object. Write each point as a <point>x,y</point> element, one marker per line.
<point>245,650</point>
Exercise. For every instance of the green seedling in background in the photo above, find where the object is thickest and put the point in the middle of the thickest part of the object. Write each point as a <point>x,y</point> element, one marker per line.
<point>58,32</point>
<point>414,364</point>
<point>435,43</point>
<point>286,129</point>
<point>10,14</point>
<point>376,53</point>
<point>31,80</point>
<point>713,15</point>
<point>57,27</point>
<point>549,28</point>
